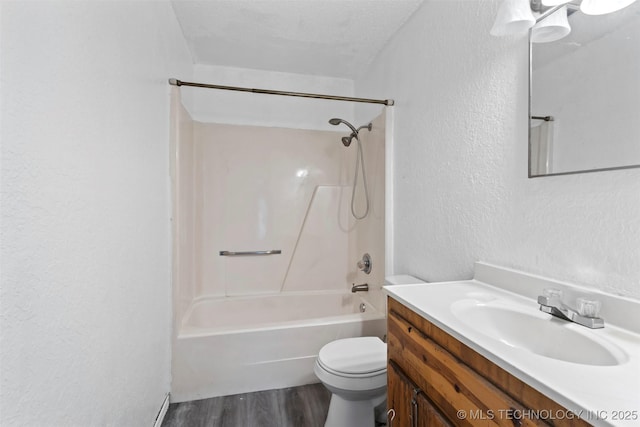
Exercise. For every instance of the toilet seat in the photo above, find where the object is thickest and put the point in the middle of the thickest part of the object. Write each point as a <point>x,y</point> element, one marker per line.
<point>355,376</point>
<point>362,356</point>
<point>353,364</point>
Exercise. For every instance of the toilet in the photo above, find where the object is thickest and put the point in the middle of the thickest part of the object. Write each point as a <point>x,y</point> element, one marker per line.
<point>355,372</point>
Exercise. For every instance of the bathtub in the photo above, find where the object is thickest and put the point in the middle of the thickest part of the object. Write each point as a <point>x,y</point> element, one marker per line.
<point>234,345</point>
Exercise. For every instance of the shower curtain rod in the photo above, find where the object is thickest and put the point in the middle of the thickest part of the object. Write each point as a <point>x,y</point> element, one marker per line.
<point>545,118</point>
<point>176,82</point>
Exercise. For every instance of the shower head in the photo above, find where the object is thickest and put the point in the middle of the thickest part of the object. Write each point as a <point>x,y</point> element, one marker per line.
<point>336,122</point>
<point>354,132</point>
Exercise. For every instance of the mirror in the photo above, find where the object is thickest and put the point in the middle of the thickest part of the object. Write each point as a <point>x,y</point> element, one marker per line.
<point>585,96</point>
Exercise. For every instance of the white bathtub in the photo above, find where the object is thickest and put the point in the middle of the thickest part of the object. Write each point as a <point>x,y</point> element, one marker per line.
<point>241,344</point>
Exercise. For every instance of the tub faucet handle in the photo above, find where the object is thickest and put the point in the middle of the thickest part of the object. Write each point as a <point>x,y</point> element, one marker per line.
<point>365,264</point>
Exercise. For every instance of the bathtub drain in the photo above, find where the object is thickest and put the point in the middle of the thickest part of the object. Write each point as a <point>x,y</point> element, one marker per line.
<point>363,308</point>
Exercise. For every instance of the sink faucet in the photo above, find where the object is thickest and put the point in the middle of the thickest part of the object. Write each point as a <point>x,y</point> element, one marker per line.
<point>359,288</point>
<point>554,306</point>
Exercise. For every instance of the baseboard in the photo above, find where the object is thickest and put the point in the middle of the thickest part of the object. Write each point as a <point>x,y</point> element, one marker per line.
<point>163,412</point>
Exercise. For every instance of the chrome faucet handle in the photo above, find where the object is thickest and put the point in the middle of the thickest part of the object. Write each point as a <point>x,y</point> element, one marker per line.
<point>554,306</point>
<point>588,307</point>
<point>365,264</point>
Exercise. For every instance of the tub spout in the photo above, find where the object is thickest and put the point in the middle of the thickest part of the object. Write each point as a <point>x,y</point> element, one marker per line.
<point>359,288</point>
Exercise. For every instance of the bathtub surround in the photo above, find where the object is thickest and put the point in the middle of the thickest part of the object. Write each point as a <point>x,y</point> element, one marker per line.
<point>283,189</point>
<point>260,188</point>
<point>243,188</point>
<point>85,243</point>
<point>461,189</point>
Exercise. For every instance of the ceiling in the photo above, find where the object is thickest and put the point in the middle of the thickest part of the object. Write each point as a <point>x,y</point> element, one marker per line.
<point>335,38</point>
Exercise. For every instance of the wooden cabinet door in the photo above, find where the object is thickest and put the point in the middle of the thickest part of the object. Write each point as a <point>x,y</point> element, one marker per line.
<point>399,394</point>
<point>411,406</point>
<point>427,414</point>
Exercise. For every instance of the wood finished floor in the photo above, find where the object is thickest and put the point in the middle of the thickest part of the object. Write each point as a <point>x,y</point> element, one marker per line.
<point>304,406</point>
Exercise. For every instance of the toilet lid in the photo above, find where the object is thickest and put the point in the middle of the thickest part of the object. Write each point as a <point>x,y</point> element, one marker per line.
<point>354,355</point>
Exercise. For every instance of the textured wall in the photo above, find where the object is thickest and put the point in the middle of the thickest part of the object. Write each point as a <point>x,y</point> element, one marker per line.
<point>85,242</point>
<point>461,190</point>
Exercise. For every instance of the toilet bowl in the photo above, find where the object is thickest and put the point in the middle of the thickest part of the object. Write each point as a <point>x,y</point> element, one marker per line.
<point>354,370</point>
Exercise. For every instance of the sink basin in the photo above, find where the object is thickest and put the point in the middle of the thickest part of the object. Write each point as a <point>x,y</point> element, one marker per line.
<point>529,329</point>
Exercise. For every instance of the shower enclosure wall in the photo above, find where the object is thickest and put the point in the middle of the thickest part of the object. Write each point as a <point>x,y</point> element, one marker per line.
<point>255,322</point>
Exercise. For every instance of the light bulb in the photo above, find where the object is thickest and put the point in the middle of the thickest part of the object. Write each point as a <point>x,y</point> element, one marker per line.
<point>552,28</point>
<point>553,2</point>
<point>601,7</point>
<point>514,17</point>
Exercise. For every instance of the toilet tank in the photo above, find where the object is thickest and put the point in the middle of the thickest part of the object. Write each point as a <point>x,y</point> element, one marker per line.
<point>402,279</point>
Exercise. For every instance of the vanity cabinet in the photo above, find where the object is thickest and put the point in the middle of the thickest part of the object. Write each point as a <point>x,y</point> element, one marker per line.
<point>435,380</point>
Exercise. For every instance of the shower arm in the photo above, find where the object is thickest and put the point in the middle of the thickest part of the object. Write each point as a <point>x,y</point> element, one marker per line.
<point>367,126</point>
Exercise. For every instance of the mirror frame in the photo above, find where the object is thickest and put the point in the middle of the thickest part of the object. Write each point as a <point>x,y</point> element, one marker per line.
<point>529,120</point>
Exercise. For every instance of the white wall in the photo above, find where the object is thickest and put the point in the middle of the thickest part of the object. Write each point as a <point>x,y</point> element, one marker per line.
<point>461,187</point>
<point>220,106</point>
<point>85,244</point>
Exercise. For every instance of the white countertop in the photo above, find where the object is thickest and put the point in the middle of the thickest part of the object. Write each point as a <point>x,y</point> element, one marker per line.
<point>601,395</point>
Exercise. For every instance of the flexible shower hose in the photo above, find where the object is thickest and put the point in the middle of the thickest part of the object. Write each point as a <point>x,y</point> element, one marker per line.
<point>359,161</point>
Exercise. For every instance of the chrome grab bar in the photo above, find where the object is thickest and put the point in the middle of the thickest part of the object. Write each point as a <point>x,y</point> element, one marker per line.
<point>249,253</point>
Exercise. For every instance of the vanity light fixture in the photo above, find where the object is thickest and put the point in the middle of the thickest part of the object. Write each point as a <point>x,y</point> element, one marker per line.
<point>593,7</point>
<point>514,17</point>
<point>552,28</point>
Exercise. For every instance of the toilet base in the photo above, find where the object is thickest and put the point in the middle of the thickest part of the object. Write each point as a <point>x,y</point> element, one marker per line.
<point>352,413</point>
